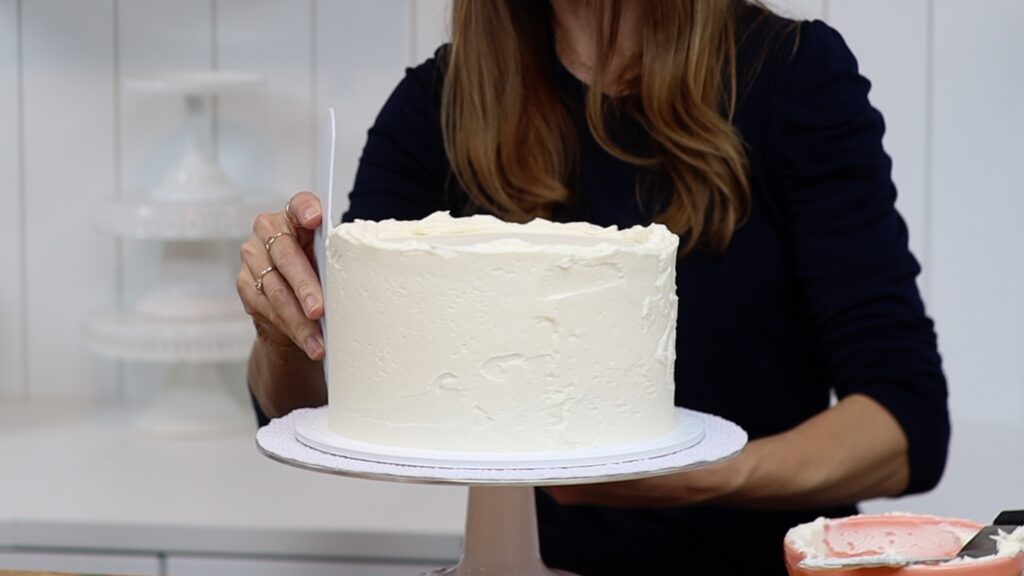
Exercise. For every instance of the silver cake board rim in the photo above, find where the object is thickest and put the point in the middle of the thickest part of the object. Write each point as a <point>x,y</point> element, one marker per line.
<point>721,441</point>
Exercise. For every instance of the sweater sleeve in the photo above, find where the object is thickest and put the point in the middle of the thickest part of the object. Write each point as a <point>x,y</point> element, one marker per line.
<point>850,248</point>
<point>403,170</point>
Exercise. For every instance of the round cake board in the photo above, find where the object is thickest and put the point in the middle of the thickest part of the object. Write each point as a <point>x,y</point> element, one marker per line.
<point>720,440</point>
<point>312,430</point>
<point>501,520</point>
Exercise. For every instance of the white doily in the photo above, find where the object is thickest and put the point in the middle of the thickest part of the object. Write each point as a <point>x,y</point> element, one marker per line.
<point>722,440</point>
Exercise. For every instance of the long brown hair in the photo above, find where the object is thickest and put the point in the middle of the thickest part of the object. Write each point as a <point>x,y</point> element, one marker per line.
<point>512,143</point>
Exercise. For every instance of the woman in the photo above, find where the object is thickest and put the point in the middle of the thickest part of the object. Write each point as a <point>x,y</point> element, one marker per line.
<point>752,138</point>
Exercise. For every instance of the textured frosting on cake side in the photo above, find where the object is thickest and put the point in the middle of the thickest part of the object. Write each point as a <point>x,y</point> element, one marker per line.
<point>472,334</point>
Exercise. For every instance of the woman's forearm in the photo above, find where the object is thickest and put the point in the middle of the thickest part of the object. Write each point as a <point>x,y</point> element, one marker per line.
<point>283,378</point>
<point>853,451</point>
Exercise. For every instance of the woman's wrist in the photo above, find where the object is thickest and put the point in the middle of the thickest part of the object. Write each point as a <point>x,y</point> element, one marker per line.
<point>851,452</point>
<point>740,477</point>
<point>275,345</point>
<point>764,474</point>
<point>281,376</point>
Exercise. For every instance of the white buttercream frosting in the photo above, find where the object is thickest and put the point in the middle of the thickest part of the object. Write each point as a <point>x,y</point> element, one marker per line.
<point>1010,544</point>
<point>476,334</point>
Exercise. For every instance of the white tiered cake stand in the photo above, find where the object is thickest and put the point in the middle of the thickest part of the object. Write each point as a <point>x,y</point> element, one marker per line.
<point>501,521</point>
<point>192,319</point>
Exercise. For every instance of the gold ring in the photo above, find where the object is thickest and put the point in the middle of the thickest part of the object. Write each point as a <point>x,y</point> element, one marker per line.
<point>288,215</point>
<point>270,241</point>
<point>259,278</point>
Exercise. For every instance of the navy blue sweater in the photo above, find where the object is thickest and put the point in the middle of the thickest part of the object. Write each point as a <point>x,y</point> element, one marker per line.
<point>815,294</point>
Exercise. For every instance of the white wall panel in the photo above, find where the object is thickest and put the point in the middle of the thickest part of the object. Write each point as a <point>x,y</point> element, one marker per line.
<point>266,137</point>
<point>363,47</point>
<point>893,54</point>
<point>977,246</point>
<point>81,563</point>
<point>12,375</point>
<point>432,27</point>
<point>68,51</point>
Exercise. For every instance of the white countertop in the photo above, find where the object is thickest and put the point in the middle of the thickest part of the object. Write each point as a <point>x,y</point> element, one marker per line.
<point>79,477</point>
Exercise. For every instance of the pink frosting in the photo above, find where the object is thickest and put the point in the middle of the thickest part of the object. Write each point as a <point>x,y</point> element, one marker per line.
<point>902,535</point>
<point>891,535</point>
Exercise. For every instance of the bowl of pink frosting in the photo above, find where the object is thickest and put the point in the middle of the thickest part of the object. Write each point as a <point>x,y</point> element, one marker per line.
<point>895,536</point>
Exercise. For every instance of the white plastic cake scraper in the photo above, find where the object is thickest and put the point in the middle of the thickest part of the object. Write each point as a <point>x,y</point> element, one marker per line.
<point>325,191</point>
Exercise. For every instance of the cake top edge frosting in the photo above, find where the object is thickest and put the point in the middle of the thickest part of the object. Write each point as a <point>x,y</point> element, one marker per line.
<point>442,232</point>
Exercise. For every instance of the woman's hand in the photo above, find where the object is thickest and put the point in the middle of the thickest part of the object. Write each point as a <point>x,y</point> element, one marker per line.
<point>277,282</point>
<point>681,489</point>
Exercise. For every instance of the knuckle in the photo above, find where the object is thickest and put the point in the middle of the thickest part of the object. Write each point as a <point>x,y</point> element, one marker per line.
<point>282,251</point>
<point>289,257</point>
<point>307,287</point>
<point>306,330</point>
<point>242,285</point>
<point>287,328</point>
<point>302,333</point>
<point>261,221</point>
<point>301,289</point>
<point>275,320</point>
<point>298,327</point>
<point>274,317</point>
<point>248,251</point>
<point>278,295</point>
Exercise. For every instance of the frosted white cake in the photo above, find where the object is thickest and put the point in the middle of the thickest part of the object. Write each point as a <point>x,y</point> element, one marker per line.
<point>472,334</point>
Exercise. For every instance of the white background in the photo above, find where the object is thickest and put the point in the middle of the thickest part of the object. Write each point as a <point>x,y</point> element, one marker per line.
<point>946,76</point>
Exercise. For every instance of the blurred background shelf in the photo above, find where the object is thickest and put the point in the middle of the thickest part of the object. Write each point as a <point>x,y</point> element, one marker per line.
<point>149,220</point>
<point>200,505</point>
<point>190,317</point>
<point>140,337</point>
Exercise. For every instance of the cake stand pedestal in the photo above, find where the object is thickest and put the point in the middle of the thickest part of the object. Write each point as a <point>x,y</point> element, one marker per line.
<point>501,521</point>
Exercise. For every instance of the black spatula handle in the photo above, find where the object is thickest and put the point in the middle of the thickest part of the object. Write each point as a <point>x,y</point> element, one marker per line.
<point>1010,518</point>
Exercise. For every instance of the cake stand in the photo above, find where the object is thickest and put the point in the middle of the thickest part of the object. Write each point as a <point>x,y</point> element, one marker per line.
<point>191,319</point>
<point>501,521</point>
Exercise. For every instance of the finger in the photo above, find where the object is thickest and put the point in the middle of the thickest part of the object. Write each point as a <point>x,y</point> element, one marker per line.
<point>303,209</point>
<point>291,260</point>
<point>262,312</point>
<point>575,495</point>
<point>254,303</point>
<point>277,303</point>
<point>254,257</point>
<point>630,493</point>
<point>270,223</point>
<point>565,496</point>
<point>288,316</point>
